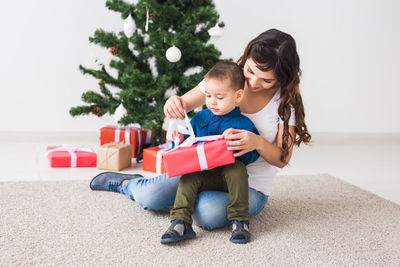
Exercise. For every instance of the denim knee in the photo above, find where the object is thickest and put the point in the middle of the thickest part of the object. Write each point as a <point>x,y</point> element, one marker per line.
<point>210,210</point>
<point>154,193</point>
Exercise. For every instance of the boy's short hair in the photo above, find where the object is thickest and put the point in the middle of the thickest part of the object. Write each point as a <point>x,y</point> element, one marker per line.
<point>227,70</point>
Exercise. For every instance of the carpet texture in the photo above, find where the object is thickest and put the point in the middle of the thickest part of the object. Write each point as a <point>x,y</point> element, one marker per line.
<point>309,221</point>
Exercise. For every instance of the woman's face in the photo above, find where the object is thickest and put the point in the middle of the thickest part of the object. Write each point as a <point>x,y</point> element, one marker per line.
<point>258,80</point>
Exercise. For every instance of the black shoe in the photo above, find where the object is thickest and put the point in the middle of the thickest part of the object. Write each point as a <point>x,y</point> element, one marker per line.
<point>178,230</point>
<point>111,181</point>
<point>240,232</point>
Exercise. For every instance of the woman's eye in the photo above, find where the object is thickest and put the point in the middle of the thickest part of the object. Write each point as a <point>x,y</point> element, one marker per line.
<point>250,71</point>
<point>220,98</point>
<point>208,96</point>
<point>267,81</point>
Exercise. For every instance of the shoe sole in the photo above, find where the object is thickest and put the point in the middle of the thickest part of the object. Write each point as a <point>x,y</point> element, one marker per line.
<point>178,238</point>
<point>239,241</point>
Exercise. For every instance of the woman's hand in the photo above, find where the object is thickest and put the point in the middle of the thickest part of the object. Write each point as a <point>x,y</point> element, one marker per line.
<point>242,141</point>
<point>175,107</point>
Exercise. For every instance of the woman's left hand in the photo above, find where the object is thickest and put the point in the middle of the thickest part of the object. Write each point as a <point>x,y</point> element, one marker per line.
<point>242,141</point>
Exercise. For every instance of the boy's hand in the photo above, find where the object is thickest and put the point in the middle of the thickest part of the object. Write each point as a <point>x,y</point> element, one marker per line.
<point>175,134</point>
<point>227,132</point>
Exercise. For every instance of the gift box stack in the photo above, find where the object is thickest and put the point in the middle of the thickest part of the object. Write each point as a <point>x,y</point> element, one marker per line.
<point>113,153</point>
<point>135,136</point>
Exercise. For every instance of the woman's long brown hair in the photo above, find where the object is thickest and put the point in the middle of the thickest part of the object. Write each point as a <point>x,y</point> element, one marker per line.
<point>276,50</point>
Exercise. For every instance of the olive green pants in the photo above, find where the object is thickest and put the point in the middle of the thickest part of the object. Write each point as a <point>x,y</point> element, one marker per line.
<point>231,178</point>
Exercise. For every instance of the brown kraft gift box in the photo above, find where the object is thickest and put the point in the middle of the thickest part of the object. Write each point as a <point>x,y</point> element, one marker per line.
<point>114,156</point>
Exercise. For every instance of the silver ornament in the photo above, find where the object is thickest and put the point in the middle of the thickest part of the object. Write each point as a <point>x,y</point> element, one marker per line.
<point>173,54</point>
<point>129,26</point>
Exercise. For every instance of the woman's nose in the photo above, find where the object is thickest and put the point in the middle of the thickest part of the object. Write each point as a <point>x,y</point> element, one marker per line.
<point>253,81</point>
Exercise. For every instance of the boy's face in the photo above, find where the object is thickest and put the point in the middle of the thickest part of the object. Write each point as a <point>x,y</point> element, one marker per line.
<point>220,97</point>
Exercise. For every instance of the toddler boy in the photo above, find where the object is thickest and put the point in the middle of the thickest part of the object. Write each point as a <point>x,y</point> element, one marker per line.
<point>223,91</point>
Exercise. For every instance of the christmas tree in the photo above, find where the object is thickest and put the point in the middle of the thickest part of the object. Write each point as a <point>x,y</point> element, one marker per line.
<point>163,47</point>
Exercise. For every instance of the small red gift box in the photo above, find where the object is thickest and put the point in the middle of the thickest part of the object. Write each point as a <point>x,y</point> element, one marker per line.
<point>198,157</point>
<point>71,156</point>
<point>152,159</point>
<point>127,135</point>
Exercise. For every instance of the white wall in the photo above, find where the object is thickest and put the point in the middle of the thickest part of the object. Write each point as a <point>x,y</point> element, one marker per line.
<point>348,51</point>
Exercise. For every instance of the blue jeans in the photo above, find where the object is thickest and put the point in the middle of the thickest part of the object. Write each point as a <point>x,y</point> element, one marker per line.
<point>210,211</point>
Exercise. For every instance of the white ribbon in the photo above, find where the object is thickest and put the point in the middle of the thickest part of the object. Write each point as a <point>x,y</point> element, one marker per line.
<point>160,152</point>
<point>71,150</point>
<point>201,154</point>
<point>116,134</point>
<point>189,130</point>
<point>148,137</point>
<point>127,134</point>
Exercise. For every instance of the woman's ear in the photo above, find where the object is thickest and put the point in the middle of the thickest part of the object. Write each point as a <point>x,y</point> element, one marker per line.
<point>239,95</point>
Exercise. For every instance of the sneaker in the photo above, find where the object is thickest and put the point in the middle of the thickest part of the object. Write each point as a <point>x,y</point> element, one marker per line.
<point>111,181</point>
<point>178,230</point>
<point>240,232</point>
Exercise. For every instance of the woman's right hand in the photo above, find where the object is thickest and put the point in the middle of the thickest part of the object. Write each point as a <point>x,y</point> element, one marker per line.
<point>175,107</point>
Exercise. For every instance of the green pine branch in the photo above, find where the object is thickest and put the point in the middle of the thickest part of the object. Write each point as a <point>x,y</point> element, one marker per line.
<point>120,6</point>
<point>102,75</point>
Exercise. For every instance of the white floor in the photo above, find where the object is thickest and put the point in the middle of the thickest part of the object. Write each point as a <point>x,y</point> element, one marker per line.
<point>369,161</point>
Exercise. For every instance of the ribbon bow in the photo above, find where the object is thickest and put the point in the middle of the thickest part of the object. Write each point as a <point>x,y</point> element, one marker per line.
<point>192,139</point>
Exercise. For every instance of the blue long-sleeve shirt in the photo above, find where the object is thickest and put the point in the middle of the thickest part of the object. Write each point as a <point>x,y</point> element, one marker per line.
<point>206,123</point>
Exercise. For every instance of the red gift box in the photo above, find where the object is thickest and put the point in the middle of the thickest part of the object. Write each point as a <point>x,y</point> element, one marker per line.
<point>71,156</point>
<point>152,159</point>
<point>127,135</point>
<point>198,157</point>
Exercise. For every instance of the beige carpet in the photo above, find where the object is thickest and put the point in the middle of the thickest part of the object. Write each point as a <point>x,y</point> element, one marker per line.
<point>309,221</point>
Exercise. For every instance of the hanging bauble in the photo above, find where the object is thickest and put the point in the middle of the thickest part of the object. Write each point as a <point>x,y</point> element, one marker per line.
<point>119,113</point>
<point>215,31</point>
<point>173,54</point>
<point>129,26</point>
<point>101,83</point>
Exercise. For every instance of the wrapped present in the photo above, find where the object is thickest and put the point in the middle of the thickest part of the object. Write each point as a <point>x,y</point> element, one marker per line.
<point>198,157</point>
<point>114,156</point>
<point>128,135</point>
<point>152,158</point>
<point>71,156</point>
<point>196,153</point>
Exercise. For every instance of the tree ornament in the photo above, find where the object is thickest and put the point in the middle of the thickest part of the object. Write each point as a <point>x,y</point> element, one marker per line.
<point>113,50</point>
<point>147,19</point>
<point>101,83</point>
<point>96,110</point>
<point>129,26</point>
<point>215,31</point>
<point>119,113</point>
<point>173,54</point>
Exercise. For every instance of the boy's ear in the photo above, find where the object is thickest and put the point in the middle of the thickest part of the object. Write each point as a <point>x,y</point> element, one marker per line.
<point>239,95</point>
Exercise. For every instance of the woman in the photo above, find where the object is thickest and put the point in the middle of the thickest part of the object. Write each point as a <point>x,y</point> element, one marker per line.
<point>271,100</point>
